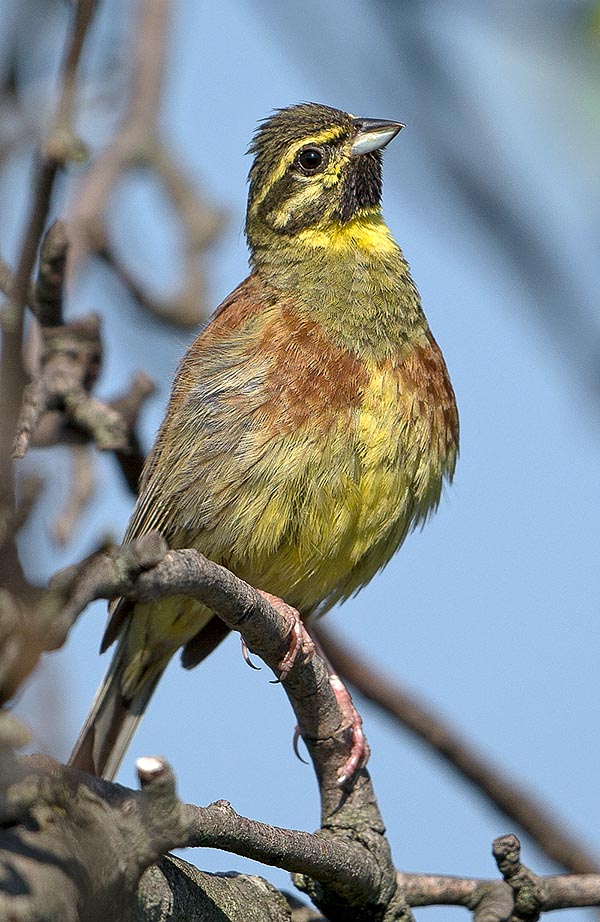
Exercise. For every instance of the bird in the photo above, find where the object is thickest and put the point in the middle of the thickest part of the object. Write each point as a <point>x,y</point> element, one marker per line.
<point>312,424</point>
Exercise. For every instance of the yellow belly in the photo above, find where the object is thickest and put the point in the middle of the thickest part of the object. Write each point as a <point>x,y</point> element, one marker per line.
<point>319,516</point>
<point>315,515</point>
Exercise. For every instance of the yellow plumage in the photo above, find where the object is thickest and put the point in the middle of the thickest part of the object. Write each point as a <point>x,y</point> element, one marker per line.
<point>311,424</point>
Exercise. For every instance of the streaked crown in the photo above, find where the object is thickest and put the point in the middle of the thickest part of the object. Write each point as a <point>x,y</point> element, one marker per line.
<point>314,165</point>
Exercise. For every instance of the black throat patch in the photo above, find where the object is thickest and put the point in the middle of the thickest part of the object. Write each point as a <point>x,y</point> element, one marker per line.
<point>362,186</point>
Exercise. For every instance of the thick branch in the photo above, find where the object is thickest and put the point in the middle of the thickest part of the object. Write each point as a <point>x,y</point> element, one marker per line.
<point>74,848</point>
<point>142,571</point>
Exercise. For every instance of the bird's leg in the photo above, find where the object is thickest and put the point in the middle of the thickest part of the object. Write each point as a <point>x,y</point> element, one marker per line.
<point>359,748</point>
<point>300,639</point>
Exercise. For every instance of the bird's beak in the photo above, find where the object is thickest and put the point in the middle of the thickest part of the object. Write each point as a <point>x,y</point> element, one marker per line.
<point>374,134</point>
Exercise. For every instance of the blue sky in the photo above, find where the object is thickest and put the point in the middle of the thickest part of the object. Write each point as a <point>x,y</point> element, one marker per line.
<point>491,611</point>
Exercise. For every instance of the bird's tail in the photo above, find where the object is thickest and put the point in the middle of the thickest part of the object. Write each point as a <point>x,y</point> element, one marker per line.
<point>147,635</point>
<point>112,720</point>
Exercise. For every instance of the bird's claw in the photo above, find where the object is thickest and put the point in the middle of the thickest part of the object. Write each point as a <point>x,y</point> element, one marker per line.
<point>359,748</point>
<point>300,639</point>
<point>297,738</point>
<point>247,657</point>
<point>301,642</point>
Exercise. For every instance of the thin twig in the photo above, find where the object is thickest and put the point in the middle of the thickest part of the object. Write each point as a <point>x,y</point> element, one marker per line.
<point>556,892</point>
<point>63,361</point>
<point>137,145</point>
<point>60,146</point>
<point>48,293</point>
<point>12,372</point>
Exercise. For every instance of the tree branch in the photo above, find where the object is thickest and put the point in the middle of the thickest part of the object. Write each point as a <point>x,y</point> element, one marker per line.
<point>345,867</point>
<point>493,899</point>
<point>505,793</point>
<point>137,145</point>
<point>60,146</point>
<point>65,362</point>
<point>144,570</point>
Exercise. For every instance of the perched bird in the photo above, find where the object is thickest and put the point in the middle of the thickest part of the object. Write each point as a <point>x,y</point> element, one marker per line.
<point>311,424</point>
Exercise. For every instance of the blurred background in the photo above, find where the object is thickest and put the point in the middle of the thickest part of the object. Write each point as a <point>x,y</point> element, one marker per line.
<point>493,192</point>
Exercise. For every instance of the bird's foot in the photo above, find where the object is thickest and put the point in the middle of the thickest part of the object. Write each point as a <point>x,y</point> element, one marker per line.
<point>353,731</point>
<point>300,639</point>
<point>302,642</point>
<point>359,748</point>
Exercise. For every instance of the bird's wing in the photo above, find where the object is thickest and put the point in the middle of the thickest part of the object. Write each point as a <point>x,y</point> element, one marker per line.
<point>189,471</point>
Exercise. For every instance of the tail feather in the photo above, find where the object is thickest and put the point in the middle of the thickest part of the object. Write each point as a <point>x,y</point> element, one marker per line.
<point>148,635</point>
<point>111,723</point>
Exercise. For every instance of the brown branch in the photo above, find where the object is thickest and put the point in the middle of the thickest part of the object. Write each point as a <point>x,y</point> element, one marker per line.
<point>502,791</point>
<point>64,362</point>
<point>74,850</point>
<point>59,147</point>
<point>346,865</point>
<point>329,861</point>
<point>553,893</point>
<point>68,367</point>
<point>74,847</point>
<point>137,145</point>
<point>55,427</point>
<point>350,857</point>
<point>144,571</point>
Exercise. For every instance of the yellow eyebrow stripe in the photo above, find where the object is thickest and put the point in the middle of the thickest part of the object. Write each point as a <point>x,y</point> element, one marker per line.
<point>323,137</point>
<point>329,134</point>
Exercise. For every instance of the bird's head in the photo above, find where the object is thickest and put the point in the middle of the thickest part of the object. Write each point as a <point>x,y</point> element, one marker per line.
<point>314,165</point>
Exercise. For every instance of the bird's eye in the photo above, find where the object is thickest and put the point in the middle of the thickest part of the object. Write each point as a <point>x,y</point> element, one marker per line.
<point>310,159</point>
